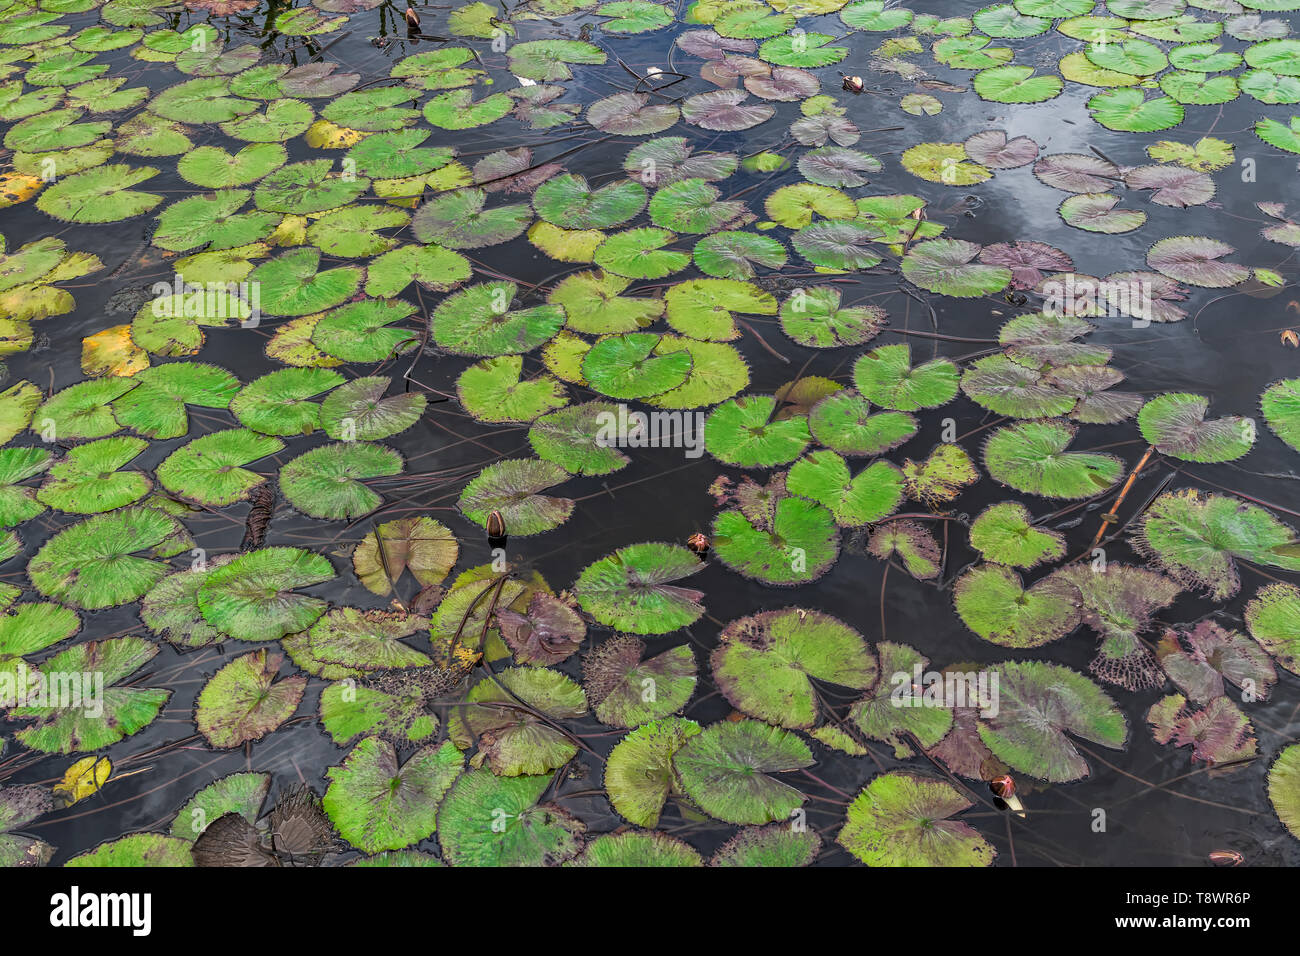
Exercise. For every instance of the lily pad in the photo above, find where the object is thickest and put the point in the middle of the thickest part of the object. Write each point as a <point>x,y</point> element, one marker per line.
<point>1040,704</point>
<point>727,770</point>
<point>486,820</point>
<point>1031,457</point>
<point>252,598</point>
<point>765,664</point>
<point>378,804</point>
<point>901,819</point>
<point>632,589</point>
<point>243,701</point>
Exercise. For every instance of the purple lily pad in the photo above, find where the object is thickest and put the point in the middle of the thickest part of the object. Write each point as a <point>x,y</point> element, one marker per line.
<point>1201,658</point>
<point>550,632</point>
<point>725,111</point>
<point>512,171</point>
<point>631,114</point>
<point>1077,172</point>
<point>1173,185</point>
<point>709,45</point>
<point>991,148</point>
<point>1158,292</point>
<point>1026,260</point>
<point>825,127</point>
<point>784,84</point>
<point>1195,260</point>
<point>1218,734</point>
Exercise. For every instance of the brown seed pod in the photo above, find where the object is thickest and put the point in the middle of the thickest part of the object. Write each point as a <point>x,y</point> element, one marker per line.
<point>1226,858</point>
<point>496,525</point>
<point>699,544</point>
<point>853,84</point>
<point>412,19</point>
<point>1289,337</point>
<point>1003,786</point>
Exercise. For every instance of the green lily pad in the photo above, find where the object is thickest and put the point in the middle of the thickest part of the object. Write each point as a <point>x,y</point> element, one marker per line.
<point>1273,617</point>
<point>243,701</point>
<point>493,391</point>
<point>945,266</point>
<point>378,804</point>
<point>513,487</point>
<point>209,469</point>
<point>640,254</point>
<point>478,321</point>
<point>72,726</point>
<point>765,663</point>
<point>214,168</point>
<point>307,187</point>
<point>1005,534</point>
<point>800,545</point>
<point>568,438</point>
<point>87,480</point>
<point>19,503</point>
<point>241,793</point>
<point>155,408</point>
<point>95,564</point>
<point>292,284</point>
<point>515,739</point>
<point>1196,538</point>
<point>367,640</point>
<point>639,849</point>
<point>486,820</point>
<point>815,317</point>
<point>458,220</point>
<point>901,819</point>
<point>137,850</point>
<point>593,303</point>
<point>993,603</point>
<point>569,202</point>
<point>1119,602</point>
<point>1007,387</point>
<point>632,590</point>
<point>627,366</point>
<point>743,432</point>
<point>626,691</point>
<point>941,477</point>
<point>896,710</point>
<point>1175,425</point>
<point>1284,788</point>
<point>348,712</point>
<point>1031,457</point>
<point>327,482</point>
<point>1039,704</point>
<point>843,422</point>
<point>639,774</point>
<point>358,411</point>
<point>1127,110</point>
<point>278,402</point>
<point>885,375</point>
<point>253,599</point>
<point>872,494</point>
<point>1016,84</point>
<point>727,770</point>
<point>171,609</point>
<point>83,410</point>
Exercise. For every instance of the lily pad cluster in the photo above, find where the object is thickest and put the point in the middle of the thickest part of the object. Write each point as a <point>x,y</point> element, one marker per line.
<point>353,229</point>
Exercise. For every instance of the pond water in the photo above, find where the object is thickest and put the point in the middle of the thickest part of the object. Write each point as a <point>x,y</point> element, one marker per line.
<point>1137,801</point>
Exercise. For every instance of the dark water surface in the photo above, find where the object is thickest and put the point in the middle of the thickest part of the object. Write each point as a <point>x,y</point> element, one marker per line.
<point>1157,811</point>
